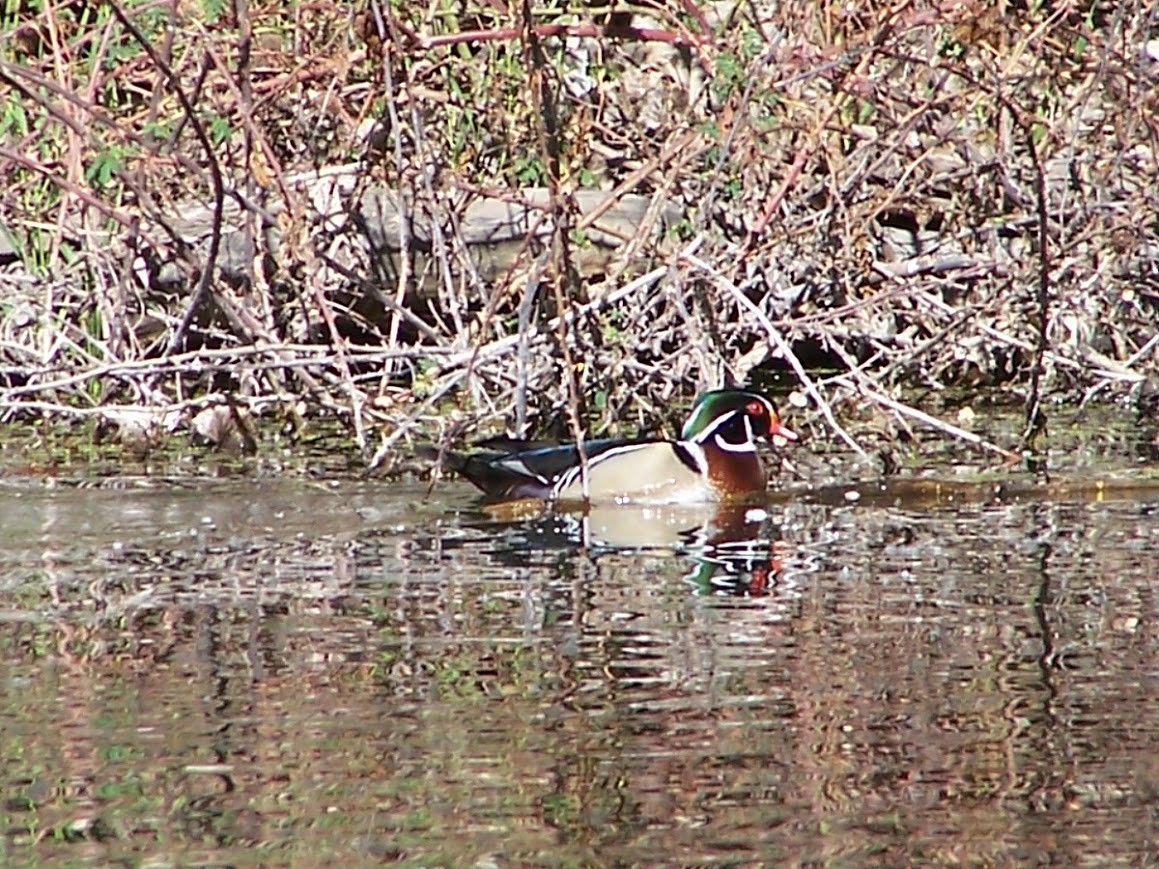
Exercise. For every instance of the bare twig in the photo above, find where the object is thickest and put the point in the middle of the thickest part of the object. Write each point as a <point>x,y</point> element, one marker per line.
<point>780,345</point>
<point>923,417</point>
<point>857,192</point>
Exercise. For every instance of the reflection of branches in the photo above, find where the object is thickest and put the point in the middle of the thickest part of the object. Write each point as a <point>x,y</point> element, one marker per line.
<point>1043,603</point>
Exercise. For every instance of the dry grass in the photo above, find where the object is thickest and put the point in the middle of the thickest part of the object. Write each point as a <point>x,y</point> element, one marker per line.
<point>920,194</point>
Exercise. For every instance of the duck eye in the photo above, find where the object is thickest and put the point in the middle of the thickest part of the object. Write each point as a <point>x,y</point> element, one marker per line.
<point>756,408</point>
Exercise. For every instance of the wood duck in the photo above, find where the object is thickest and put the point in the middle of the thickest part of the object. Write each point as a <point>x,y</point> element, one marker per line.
<point>715,459</point>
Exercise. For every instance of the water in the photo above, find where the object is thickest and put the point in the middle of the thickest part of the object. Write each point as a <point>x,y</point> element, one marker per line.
<point>243,673</point>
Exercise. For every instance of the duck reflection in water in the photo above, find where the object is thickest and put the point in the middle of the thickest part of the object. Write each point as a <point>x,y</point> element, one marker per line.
<point>702,494</point>
<point>733,549</point>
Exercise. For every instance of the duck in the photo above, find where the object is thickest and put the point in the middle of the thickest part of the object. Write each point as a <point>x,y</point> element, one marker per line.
<point>714,460</point>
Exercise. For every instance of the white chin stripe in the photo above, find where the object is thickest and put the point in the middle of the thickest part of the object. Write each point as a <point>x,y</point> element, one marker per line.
<point>746,447</point>
<point>749,445</point>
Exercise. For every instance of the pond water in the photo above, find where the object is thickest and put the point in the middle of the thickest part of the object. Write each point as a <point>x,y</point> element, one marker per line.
<point>273,673</point>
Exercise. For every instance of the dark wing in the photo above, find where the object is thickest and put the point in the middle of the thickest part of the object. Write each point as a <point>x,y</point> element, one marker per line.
<point>548,464</point>
<point>490,473</point>
<point>506,445</point>
<point>526,473</point>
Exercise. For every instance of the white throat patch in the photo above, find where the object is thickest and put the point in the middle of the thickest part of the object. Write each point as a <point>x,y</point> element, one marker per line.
<point>749,445</point>
<point>746,447</point>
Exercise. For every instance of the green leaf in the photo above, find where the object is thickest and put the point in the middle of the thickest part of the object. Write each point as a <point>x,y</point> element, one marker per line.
<point>105,166</point>
<point>219,130</point>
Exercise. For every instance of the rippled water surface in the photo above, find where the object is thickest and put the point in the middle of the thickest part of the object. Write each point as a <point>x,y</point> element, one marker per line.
<point>244,673</point>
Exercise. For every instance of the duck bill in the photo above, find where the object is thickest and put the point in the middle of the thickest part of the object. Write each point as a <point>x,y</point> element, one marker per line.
<point>777,431</point>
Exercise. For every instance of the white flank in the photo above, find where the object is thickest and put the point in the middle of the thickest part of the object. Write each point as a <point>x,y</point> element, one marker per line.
<point>573,474</point>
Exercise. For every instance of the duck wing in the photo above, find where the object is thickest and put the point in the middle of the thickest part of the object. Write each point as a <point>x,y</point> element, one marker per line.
<point>518,472</point>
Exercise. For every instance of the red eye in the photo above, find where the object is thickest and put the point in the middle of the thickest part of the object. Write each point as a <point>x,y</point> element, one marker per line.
<point>756,408</point>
